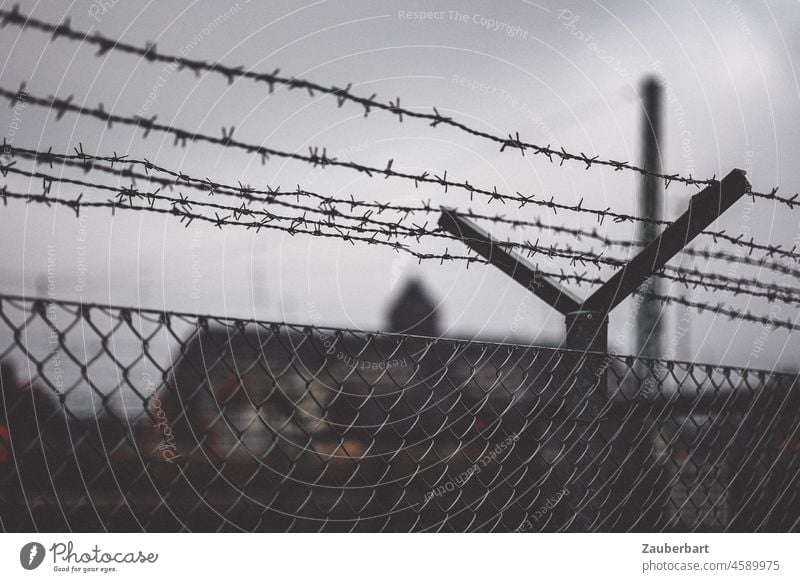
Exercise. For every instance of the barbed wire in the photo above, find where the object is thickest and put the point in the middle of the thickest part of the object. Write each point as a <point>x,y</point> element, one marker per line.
<point>360,232</point>
<point>694,278</point>
<point>720,309</point>
<point>88,162</point>
<point>314,157</point>
<point>126,194</point>
<point>188,217</point>
<point>511,142</point>
<point>701,253</point>
<point>317,159</point>
<point>388,230</point>
<point>391,228</point>
<point>342,94</point>
<point>179,208</point>
<point>183,206</point>
<point>684,276</point>
<point>272,195</point>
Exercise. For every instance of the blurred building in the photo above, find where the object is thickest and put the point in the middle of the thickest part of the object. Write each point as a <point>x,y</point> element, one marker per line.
<point>414,312</point>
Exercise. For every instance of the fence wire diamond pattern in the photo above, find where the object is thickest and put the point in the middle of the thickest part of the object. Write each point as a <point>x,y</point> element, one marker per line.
<point>125,420</point>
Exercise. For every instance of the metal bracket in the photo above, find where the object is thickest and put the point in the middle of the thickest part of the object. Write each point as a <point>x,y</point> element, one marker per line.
<point>704,208</point>
<point>557,296</point>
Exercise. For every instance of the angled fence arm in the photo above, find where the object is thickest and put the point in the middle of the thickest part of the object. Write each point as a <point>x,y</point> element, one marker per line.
<point>516,267</point>
<point>704,208</point>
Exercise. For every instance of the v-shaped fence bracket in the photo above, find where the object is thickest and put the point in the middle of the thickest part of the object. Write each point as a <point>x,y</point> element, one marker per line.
<point>704,208</point>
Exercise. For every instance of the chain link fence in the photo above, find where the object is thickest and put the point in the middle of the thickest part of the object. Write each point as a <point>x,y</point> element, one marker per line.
<point>133,420</point>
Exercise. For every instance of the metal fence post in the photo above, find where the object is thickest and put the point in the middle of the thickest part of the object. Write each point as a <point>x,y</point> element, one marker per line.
<point>585,398</point>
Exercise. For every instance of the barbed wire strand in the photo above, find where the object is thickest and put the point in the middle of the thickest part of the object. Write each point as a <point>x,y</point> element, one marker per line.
<point>89,162</point>
<point>389,230</point>
<point>183,206</point>
<point>314,157</point>
<point>730,313</point>
<point>510,142</point>
<point>317,159</point>
<point>187,218</point>
<point>342,94</point>
<point>688,277</point>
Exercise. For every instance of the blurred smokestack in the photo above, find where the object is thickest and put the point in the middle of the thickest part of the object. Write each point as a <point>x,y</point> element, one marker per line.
<point>648,324</point>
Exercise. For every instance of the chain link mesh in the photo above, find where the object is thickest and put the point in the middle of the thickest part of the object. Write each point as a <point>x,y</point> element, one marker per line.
<point>117,419</point>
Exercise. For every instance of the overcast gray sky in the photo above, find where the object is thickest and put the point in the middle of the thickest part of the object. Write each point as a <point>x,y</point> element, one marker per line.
<point>566,74</point>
